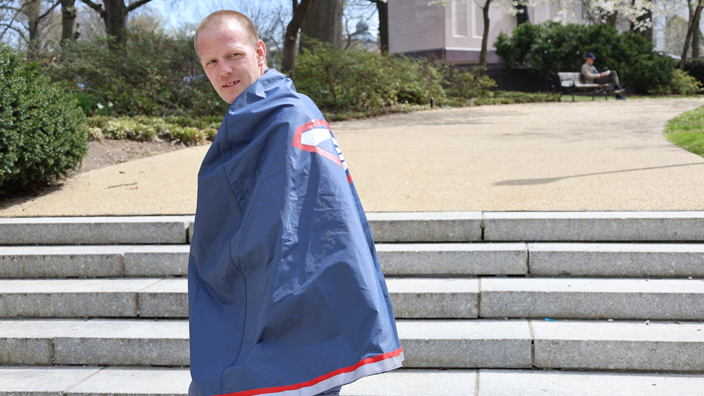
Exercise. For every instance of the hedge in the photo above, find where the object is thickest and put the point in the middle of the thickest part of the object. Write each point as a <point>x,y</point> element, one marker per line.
<point>42,133</point>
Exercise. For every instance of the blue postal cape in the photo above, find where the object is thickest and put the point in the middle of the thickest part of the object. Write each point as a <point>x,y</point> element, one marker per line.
<point>286,295</point>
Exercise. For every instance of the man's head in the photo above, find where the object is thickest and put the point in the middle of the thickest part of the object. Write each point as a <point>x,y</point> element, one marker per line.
<point>230,52</point>
<point>590,58</point>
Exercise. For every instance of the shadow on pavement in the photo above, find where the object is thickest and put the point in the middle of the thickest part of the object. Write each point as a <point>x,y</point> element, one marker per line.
<point>547,180</point>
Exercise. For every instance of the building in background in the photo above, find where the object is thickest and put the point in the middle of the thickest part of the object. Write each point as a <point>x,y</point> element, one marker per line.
<point>453,33</point>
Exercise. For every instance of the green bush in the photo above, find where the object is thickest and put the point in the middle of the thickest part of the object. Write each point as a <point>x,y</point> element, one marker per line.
<point>695,68</point>
<point>42,135</point>
<point>151,74</point>
<point>465,84</point>
<point>344,80</point>
<point>681,84</point>
<point>551,47</point>
<point>188,131</point>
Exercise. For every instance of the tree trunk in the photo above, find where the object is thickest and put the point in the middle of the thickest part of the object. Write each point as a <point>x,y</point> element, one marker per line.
<point>695,38</point>
<point>68,20</point>
<point>485,35</point>
<point>115,18</point>
<point>114,15</point>
<point>31,10</point>
<point>382,8</point>
<point>648,32</point>
<point>522,16</point>
<point>694,14</point>
<point>612,19</point>
<point>323,22</point>
<point>288,63</point>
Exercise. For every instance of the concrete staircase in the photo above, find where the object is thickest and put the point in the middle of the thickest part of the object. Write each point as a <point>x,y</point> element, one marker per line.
<point>488,304</point>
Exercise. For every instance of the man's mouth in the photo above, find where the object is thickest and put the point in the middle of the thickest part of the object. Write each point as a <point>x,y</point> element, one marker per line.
<point>231,84</point>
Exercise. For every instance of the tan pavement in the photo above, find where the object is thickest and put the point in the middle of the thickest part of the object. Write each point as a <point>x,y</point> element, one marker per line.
<point>555,156</point>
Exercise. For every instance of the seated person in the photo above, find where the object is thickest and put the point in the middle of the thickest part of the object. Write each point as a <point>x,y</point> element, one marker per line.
<point>592,76</point>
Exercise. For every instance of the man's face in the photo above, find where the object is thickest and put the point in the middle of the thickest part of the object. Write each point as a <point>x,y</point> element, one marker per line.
<point>590,61</point>
<point>230,61</point>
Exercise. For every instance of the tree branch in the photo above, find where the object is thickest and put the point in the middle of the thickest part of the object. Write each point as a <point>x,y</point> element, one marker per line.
<point>97,7</point>
<point>136,5</point>
<point>44,15</point>
<point>8,26</point>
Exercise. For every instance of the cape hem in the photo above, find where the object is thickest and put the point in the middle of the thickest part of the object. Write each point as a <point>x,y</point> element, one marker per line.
<point>370,366</point>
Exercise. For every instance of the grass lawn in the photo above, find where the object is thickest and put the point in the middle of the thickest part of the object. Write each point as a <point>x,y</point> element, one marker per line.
<point>687,130</point>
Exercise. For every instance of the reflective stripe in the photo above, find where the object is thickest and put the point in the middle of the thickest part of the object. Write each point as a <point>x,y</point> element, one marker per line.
<point>370,366</point>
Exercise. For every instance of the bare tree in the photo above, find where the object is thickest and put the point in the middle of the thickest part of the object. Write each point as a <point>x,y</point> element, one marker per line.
<point>299,13</point>
<point>27,21</point>
<point>69,13</point>
<point>114,14</point>
<point>324,22</point>
<point>695,11</point>
<point>508,5</point>
<point>9,14</point>
<point>485,34</point>
<point>695,38</point>
<point>382,7</point>
<point>363,12</point>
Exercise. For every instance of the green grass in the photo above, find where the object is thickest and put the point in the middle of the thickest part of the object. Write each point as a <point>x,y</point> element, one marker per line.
<point>687,131</point>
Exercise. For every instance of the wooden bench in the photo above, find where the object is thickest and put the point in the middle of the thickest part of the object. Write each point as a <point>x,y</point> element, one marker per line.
<point>570,82</point>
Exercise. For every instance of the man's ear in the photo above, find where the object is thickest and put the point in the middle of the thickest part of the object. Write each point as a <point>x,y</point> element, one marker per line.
<point>261,52</point>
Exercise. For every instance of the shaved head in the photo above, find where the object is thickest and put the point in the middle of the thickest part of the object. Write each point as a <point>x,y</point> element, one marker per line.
<point>222,16</point>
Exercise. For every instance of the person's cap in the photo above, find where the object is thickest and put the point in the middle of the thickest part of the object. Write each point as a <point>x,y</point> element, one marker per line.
<point>590,55</point>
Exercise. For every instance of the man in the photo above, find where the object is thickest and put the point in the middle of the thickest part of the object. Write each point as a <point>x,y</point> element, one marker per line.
<point>286,295</point>
<point>592,76</point>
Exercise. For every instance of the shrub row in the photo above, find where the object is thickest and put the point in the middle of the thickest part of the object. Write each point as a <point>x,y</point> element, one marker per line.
<point>41,134</point>
<point>550,47</point>
<point>184,130</point>
<point>338,80</point>
<point>151,74</point>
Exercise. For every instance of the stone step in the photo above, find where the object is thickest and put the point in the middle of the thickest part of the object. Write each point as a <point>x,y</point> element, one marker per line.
<point>584,383</point>
<point>646,346</point>
<point>93,261</point>
<point>628,260</point>
<point>386,227</point>
<point>168,298</point>
<point>108,381</point>
<point>593,226</point>
<point>583,298</point>
<point>426,226</point>
<point>635,346</point>
<point>165,342</point>
<point>155,381</point>
<point>407,259</point>
<point>94,230</point>
<point>457,298</point>
<point>453,259</point>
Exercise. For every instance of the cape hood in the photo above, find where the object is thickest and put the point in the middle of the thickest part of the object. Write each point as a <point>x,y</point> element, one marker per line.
<point>286,295</point>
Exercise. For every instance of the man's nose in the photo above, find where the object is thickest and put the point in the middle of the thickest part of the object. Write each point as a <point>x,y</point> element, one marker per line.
<point>224,69</point>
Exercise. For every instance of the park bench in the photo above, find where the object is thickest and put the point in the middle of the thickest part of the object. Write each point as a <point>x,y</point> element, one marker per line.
<point>571,82</point>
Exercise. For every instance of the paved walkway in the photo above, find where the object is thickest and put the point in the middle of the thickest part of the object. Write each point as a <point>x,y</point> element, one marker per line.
<point>555,156</point>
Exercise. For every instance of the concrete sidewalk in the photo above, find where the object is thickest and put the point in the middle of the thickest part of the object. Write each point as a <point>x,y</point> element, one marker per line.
<point>536,157</point>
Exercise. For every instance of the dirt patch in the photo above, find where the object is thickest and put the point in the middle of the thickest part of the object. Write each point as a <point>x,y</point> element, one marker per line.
<point>105,152</point>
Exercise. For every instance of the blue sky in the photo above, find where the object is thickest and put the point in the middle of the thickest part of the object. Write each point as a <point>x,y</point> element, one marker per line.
<point>179,11</point>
